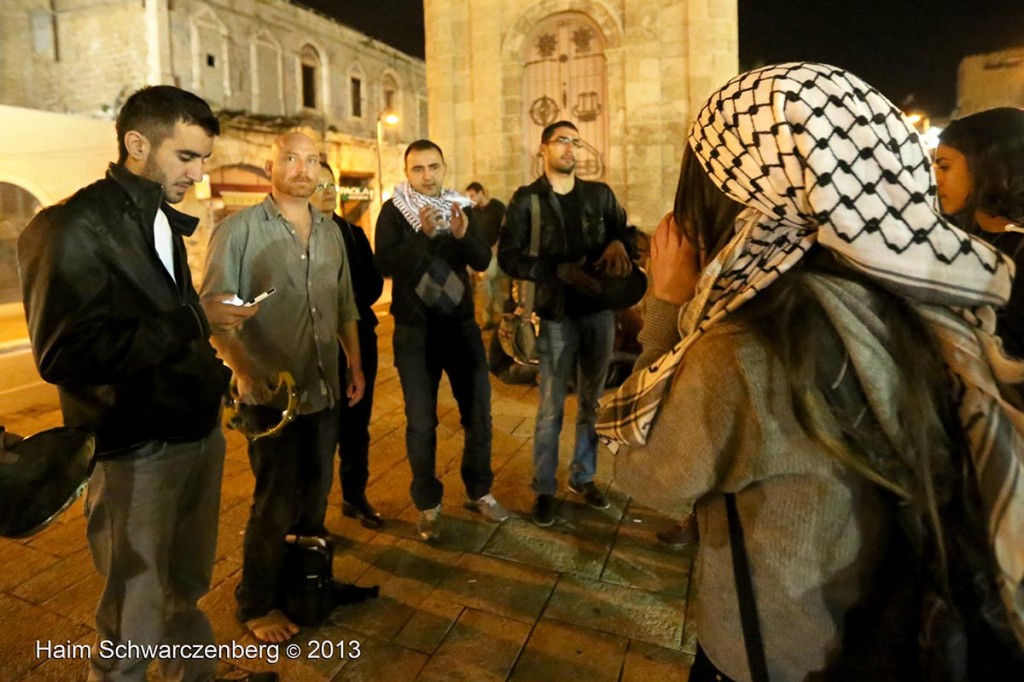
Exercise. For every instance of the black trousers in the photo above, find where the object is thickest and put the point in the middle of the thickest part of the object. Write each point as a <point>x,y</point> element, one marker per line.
<point>422,353</point>
<point>354,424</point>
<point>293,479</point>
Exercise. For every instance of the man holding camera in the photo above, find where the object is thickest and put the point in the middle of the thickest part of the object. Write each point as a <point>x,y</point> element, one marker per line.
<point>583,236</point>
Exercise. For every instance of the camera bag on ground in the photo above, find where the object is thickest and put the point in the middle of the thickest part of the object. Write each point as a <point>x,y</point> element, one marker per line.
<point>308,591</point>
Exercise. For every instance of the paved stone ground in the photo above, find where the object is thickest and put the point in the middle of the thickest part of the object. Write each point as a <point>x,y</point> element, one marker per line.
<point>592,598</point>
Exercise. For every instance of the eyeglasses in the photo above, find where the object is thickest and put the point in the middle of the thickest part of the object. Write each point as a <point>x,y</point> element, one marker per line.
<point>566,141</point>
<point>325,185</point>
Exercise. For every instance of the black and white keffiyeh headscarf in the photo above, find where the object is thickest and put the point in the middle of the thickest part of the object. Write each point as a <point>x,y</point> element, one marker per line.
<point>819,156</point>
<point>409,202</point>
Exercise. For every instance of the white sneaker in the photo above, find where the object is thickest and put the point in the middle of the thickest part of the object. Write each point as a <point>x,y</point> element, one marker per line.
<point>489,507</point>
<point>429,526</point>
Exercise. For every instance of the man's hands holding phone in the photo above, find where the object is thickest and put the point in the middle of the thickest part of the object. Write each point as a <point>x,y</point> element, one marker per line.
<point>225,311</point>
<point>224,316</point>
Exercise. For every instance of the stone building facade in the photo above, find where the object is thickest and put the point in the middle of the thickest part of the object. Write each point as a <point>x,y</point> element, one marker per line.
<point>985,81</point>
<point>266,66</point>
<point>632,75</point>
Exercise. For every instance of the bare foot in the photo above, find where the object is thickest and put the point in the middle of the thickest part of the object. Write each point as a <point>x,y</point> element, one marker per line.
<point>273,627</point>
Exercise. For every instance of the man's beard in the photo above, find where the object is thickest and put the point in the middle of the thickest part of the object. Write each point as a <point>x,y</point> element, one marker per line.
<point>151,171</point>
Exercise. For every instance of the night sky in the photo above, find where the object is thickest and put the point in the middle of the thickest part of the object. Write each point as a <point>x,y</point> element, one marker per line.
<point>906,48</point>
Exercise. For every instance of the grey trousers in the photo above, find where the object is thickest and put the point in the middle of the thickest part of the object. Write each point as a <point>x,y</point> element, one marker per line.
<point>152,529</point>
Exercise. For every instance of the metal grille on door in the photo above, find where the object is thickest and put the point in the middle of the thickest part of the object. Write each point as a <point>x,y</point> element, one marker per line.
<point>565,78</point>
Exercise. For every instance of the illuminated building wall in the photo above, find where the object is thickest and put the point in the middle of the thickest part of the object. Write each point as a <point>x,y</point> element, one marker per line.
<point>630,74</point>
<point>986,81</point>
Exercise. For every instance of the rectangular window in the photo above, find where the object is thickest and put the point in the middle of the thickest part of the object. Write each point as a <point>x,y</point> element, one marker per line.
<point>211,60</point>
<point>356,95</point>
<point>267,80</point>
<point>309,86</point>
<point>389,100</point>
<point>41,23</point>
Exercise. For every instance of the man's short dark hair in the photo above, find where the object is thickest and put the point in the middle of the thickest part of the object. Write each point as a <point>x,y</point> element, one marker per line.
<point>422,146</point>
<point>476,187</point>
<point>545,136</point>
<point>153,111</point>
<point>327,166</point>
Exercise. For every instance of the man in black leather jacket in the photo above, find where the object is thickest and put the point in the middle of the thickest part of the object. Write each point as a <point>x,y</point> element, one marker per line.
<point>116,323</point>
<point>354,420</point>
<point>582,234</point>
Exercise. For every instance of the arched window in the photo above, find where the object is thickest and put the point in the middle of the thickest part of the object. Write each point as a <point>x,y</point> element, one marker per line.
<point>210,73</point>
<point>267,94</point>
<point>565,78</point>
<point>356,91</point>
<point>17,206</point>
<point>310,67</point>
<point>389,94</point>
<point>391,102</point>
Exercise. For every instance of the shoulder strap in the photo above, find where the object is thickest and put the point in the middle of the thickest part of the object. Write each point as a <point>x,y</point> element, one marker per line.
<point>534,225</point>
<point>528,289</point>
<point>752,640</point>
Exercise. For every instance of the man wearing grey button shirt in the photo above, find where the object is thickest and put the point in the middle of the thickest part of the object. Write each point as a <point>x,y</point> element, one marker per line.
<point>287,244</point>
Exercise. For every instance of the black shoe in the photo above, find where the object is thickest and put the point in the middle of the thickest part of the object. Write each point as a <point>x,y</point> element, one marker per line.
<point>591,495</point>
<point>544,510</point>
<point>361,509</point>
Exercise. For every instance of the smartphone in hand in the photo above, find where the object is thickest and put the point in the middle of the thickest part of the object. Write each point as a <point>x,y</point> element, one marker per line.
<point>261,297</point>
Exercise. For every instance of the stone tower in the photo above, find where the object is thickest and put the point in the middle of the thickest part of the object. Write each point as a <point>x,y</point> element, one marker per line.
<point>632,74</point>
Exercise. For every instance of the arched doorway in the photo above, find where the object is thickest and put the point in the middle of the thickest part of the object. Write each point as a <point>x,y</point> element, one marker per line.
<point>17,207</point>
<point>565,78</point>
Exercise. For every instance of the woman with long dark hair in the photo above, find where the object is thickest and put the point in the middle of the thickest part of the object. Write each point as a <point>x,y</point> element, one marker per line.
<point>824,389</point>
<point>979,169</point>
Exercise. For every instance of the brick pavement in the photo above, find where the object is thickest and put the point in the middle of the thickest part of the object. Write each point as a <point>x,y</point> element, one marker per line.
<point>591,598</point>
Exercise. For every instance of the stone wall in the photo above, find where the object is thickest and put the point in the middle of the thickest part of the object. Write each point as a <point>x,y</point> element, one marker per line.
<point>244,56</point>
<point>82,58</point>
<point>284,30</point>
<point>662,57</point>
<point>99,51</point>
<point>985,81</point>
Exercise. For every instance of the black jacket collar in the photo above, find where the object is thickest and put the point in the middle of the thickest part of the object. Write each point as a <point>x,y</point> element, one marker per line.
<point>148,196</point>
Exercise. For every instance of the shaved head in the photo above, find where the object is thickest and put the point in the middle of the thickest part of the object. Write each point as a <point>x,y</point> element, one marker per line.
<point>291,141</point>
<point>294,165</point>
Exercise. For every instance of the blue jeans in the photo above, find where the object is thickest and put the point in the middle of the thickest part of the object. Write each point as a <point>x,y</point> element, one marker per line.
<point>421,353</point>
<point>583,344</point>
<point>293,471</point>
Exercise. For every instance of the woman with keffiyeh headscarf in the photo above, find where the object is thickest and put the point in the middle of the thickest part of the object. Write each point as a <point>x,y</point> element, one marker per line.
<point>833,369</point>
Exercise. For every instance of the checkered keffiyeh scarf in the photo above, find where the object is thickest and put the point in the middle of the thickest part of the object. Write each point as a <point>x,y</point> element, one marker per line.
<point>819,156</point>
<point>409,202</point>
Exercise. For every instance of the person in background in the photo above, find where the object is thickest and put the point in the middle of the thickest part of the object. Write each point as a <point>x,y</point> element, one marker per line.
<point>804,398</point>
<point>487,216</point>
<point>979,167</point>
<point>354,420</point>
<point>425,241</point>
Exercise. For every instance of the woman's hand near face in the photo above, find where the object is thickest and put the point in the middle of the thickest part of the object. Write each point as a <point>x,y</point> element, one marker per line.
<point>674,271</point>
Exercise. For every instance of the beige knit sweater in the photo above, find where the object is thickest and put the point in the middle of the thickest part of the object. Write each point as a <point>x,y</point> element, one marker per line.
<point>814,531</point>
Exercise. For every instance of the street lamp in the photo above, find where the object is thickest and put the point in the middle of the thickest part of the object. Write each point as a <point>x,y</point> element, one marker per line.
<point>391,118</point>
